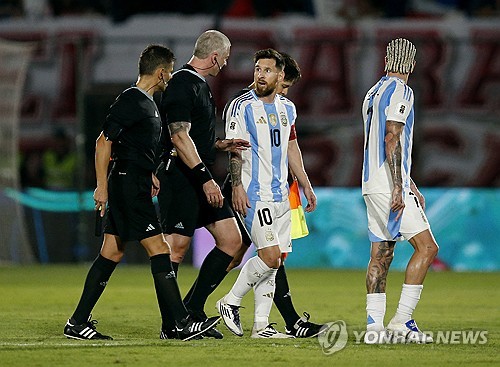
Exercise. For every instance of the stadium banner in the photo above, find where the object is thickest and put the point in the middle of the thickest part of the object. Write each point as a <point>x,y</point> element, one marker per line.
<point>456,84</point>
<point>465,223</point>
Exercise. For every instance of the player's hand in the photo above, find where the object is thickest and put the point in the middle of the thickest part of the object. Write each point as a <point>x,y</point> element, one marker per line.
<point>100,199</point>
<point>213,194</point>
<point>155,187</point>
<point>232,145</point>
<point>240,200</point>
<point>397,203</point>
<point>311,199</point>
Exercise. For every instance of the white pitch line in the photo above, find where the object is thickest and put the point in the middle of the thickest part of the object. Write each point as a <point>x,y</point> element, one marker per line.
<point>82,343</point>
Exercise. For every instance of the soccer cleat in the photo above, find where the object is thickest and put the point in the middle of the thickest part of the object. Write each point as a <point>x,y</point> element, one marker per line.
<point>85,331</point>
<point>168,334</point>
<point>269,332</point>
<point>305,329</point>
<point>190,329</point>
<point>172,334</point>
<point>407,332</point>
<point>231,316</point>
<point>210,333</point>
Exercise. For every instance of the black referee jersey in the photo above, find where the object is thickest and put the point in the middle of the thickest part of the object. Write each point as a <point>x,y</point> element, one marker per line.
<point>133,124</point>
<point>188,98</point>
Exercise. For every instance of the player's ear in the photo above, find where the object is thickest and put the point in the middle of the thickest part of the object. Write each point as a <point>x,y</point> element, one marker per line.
<point>281,76</point>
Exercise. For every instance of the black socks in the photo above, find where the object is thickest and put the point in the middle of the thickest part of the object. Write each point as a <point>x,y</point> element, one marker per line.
<point>167,289</point>
<point>212,272</point>
<point>283,299</point>
<point>97,278</point>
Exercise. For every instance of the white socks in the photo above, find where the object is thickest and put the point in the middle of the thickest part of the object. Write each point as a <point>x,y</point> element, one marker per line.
<point>251,273</point>
<point>376,305</point>
<point>375,311</point>
<point>264,295</point>
<point>410,295</point>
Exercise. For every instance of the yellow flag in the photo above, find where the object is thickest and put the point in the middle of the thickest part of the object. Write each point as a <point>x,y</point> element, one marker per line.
<point>299,225</point>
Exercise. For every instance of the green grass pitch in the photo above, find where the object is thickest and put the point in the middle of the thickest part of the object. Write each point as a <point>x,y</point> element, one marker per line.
<point>35,302</point>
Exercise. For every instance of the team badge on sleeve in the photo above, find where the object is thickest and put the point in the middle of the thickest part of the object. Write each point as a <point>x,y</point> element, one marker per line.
<point>401,108</point>
<point>232,124</point>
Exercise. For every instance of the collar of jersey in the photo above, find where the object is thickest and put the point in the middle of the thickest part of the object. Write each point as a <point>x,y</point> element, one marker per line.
<point>256,97</point>
<point>190,69</point>
<point>143,92</point>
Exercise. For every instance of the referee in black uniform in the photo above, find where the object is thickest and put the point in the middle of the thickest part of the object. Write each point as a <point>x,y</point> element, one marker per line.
<point>190,198</point>
<point>131,137</point>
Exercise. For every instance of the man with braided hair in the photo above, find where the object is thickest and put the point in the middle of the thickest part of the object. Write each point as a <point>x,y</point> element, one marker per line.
<point>395,207</point>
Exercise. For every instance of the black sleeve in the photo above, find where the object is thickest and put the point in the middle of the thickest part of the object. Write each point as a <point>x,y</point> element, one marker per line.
<point>122,114</point>
<point>178,101</point>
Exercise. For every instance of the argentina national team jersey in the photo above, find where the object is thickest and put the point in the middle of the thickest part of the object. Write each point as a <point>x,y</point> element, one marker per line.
<point>267,127</point>
<point>389,99</point>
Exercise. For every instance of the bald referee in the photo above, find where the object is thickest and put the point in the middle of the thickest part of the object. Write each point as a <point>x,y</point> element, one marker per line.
<point>395,207</point>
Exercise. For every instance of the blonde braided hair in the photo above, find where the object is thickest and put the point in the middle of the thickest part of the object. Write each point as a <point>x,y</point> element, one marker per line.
<point>400,56</point>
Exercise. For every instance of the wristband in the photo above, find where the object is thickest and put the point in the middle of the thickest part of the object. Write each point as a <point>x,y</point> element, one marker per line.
<point>201,173</point>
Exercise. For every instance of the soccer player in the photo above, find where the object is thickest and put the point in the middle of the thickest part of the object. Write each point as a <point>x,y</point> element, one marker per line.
<point>260,188</point>
<point>298,326</point>
<point>130,137</point>
<point>190,198</point>
<point>395,207</point>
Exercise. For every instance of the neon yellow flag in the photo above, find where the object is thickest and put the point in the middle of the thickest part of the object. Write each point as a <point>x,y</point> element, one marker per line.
<point>299,225</point>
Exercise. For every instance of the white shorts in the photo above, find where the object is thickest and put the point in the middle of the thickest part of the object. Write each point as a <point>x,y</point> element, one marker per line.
<point>269,224</point>
<point>381,220</point>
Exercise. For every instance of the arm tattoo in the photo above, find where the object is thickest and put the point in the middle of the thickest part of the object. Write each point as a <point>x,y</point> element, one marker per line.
<point>394,153</point>
<point>397,178</point>
<point>175,127</point>
<point>378,267</point>
<point>235,165</point>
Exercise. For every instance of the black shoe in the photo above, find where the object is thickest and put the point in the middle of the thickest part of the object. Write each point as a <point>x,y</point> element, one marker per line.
<point>303,328</point>
<point>168,333</point>
<point>213,333</point>
<point>172,334</point>
<point>85,331</point>
<point>210,333</point>
<point>188,328</point>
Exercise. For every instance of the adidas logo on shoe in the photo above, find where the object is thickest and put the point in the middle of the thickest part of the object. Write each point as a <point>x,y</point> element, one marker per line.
<point>85,331</point>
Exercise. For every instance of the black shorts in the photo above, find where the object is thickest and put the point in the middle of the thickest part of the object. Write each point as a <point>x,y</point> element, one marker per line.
<point>227,191</point>
<point>183,203</point>
<point>131,214</point>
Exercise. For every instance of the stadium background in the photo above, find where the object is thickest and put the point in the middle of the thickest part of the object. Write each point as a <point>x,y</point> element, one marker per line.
<point>61,69</point>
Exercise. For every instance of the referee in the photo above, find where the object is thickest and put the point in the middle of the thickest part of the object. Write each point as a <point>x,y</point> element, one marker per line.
<point>190,198</point>
<point>130,137</point>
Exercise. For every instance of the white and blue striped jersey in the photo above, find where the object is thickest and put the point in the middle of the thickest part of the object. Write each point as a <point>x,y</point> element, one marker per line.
<point>389,99</point>
<point>267,127</point>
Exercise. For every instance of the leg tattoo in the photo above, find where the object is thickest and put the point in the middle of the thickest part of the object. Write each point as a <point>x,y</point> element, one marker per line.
<point>381,257</point>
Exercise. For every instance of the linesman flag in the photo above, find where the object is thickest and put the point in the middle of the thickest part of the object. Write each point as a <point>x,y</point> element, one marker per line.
<point>299,225</point>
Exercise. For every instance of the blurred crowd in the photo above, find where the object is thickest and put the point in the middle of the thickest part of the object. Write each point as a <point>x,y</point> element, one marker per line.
<point>120,10</point>
<point>53,165</point>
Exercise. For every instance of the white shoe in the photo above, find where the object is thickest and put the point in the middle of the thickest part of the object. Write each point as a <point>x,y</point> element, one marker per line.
<point>269,332</point>
<point>231,316</point>
<point>407,332</point>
